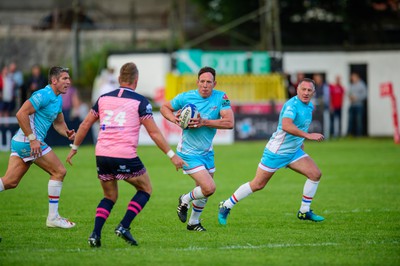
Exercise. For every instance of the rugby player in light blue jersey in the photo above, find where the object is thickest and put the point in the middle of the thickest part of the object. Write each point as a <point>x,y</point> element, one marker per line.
<point>35,117</point>
<point>195,146</point>
<point>285,149</point>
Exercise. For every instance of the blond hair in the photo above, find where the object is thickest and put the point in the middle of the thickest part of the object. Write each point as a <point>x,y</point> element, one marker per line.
<point>128,73</point>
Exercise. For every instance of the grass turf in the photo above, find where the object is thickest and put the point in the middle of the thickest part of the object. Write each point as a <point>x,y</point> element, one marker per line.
<point>358,196</point>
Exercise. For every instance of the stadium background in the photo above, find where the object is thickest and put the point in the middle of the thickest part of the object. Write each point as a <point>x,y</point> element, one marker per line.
<point>86,35</point>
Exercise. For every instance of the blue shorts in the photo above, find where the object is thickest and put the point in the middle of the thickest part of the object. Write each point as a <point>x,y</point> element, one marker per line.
<point>109,168</point>
<point>23,150</point>
<point>271,162</point>
<point>198,162</point>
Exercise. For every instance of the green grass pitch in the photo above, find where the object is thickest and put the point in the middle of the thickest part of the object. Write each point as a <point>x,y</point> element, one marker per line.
<point>359,195</point>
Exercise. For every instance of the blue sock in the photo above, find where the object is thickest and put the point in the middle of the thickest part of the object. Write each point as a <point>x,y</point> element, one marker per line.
<point>102,212</point>
<point>135,206</point>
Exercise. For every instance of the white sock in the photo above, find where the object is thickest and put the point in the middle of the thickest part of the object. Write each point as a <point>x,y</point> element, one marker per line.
<point>309,190</point>
<point>198,206</point>
<point>54,190</point>
<point>242,192</point>
<point>1,185</point>
<point>193,195</point>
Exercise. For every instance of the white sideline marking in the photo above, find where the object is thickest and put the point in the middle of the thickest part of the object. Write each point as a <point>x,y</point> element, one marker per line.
<point>358,210</point>
<point>348,211</point>
<point>192,248</point>
<point>250,246</point>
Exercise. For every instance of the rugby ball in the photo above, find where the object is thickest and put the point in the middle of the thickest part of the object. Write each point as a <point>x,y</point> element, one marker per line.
<point>188,112</point>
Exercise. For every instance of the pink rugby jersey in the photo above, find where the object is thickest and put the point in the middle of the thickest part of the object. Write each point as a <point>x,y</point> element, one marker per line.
<point>120,114</point>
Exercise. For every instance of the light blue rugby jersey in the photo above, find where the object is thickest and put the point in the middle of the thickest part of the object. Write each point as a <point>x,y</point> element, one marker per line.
<point>282,142</point>
<point>47,106</point>
<point>198,141</point>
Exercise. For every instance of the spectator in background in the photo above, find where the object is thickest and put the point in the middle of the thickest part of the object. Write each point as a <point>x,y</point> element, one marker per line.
<point>323,103</point>
<point>7,99</point>
<point>321,91</point>
<point>36,80</point>
<point>357,95</point>
<point>71,105</point>
<point>336,95</point>
<point>1,90</point>
<point>293,84</point>
<point>299,77</point>
<point>288,84</point>
<point>18,81</point>
<point>103,83</point>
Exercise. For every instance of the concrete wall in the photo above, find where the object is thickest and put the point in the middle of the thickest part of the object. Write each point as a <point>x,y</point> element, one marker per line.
<point>102,11</point>
<point>118,22</point>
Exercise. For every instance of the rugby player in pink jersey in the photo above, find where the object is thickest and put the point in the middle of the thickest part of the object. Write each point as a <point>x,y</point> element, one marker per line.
<point>121,113</point>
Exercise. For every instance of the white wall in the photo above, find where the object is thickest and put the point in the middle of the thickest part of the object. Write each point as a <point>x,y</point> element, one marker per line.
<point>382,66</point>
<point>153,68</point>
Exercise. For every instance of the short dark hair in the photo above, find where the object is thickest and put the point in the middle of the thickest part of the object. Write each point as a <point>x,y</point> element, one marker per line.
<point>307,80</point>
<point>205,70</point>
<point>55,72</point>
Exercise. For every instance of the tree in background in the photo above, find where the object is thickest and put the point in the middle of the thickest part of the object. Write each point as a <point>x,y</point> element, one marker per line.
<point>308,22</point>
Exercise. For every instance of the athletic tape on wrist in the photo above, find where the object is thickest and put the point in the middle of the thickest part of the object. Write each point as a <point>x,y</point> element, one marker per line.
<point>74,147</point>
<point>170,153</point>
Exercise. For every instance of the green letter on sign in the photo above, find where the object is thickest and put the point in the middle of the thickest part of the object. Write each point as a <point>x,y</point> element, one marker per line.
<point>260,63</point>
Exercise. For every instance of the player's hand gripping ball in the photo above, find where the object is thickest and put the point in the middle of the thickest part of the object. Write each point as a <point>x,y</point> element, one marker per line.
<point>188,112</point>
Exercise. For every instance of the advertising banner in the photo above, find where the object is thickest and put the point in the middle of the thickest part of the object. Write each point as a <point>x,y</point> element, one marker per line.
<point>173,132</point>
<point>8,127</point>
<point>224,62</point>
<point>262,126</point>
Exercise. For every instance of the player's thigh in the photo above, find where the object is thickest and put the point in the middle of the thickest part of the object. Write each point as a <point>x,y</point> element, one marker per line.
<point>110,189</point>
<point>261,179</point>
<point>141,182</point>
<point>307,167</point>
<point>16,169</point>
<point>52,165</point>
<point>204,179</point>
